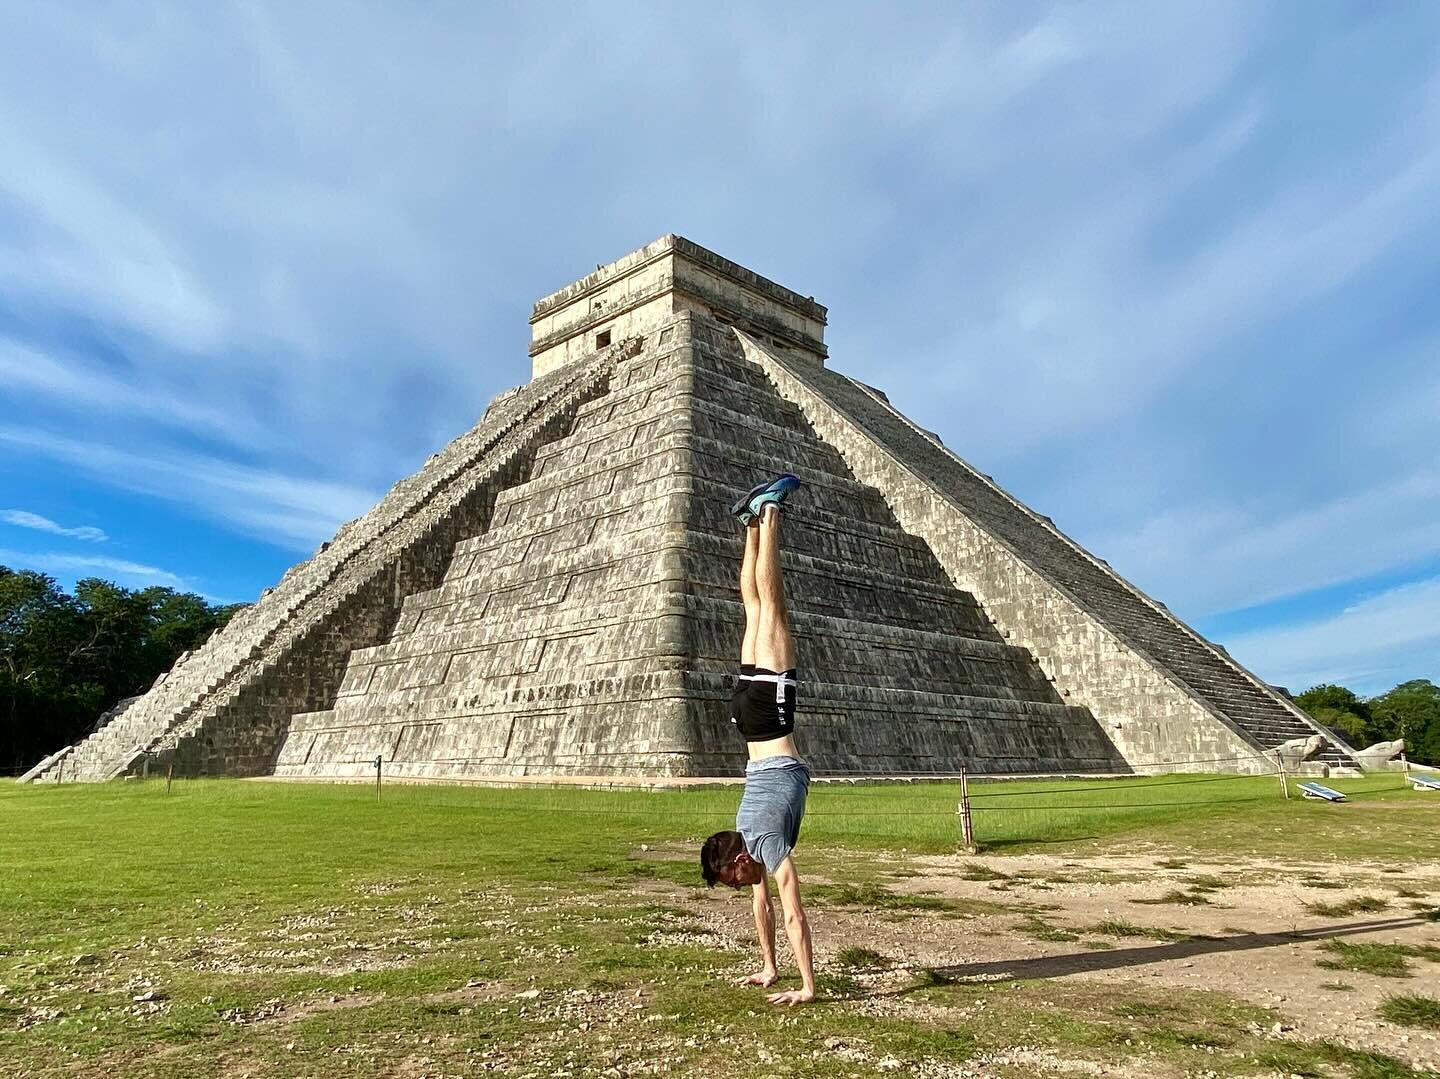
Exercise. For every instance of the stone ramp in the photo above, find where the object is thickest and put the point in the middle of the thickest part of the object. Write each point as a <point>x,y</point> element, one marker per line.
<point>1159,686</point>
<point>222,708</point>
<point>594,628</point>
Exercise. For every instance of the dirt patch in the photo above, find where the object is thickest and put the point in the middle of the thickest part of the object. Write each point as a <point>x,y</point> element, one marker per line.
<point>1252,932</point>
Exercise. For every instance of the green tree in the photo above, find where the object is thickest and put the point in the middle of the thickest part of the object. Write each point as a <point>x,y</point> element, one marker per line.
<point>1411,711</point>
<point>66,659</point>
<point>1339,709</point>
<point>43,636</point>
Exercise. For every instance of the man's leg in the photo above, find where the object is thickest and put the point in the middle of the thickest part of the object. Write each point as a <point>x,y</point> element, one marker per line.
<point>750,596</point>
<point>774,646</point>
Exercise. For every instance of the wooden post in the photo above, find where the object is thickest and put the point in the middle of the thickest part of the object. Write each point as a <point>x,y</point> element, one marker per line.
<point>169,773</point>
<point>967,826</point>
<point>1284,784</point>
<point>1404,770</point>
<point>60,770</point>
<point>378,759</point>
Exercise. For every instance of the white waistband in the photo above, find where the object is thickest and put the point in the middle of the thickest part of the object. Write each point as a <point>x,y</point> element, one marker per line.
<point>781,682</point>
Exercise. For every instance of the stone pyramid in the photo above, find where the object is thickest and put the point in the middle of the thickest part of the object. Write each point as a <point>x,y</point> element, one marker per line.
<point>554,593</point>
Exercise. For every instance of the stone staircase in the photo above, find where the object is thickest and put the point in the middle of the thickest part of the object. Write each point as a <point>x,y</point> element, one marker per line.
<point>903,671</point>
<point>1263,717</point>
<point>617,553</point>
<point>327,594</point>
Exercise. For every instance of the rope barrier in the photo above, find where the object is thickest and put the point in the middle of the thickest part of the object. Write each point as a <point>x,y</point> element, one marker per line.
<point>833,773</point>
<point>1125,805</point>
<point>1089,790</point>
<point>645,811</point>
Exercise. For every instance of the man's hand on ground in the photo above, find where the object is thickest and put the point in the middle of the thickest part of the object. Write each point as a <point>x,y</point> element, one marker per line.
<point>792,996</point>
<point>762,978</point>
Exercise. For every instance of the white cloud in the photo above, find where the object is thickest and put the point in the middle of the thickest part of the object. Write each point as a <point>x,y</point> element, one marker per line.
<point>310,239</point>
<point>88,389</point>
<point>1225,555</point>
<point>1369,646</point>
<point>119,570</point>
<point>274,506</point>
<point>26,519</point>
<point>97,252</point>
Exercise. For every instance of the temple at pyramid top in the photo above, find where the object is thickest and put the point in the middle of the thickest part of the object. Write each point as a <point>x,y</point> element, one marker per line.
<point>554,593</point>
<point>635,294</point>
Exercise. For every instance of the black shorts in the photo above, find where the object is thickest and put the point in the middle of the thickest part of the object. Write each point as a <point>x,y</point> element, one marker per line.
<point>763,704</point>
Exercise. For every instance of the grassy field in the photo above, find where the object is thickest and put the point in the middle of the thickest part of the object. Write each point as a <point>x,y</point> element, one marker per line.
<point>248,928</point>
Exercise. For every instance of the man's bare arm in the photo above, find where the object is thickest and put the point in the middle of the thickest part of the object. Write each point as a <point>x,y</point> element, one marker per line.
<point>797,929</point>
<point>765,934</point>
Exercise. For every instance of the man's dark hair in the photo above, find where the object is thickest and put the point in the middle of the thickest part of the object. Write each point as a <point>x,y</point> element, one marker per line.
<point>717,852</point>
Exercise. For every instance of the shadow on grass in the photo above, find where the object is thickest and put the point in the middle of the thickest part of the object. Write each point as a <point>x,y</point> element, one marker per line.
<point>992,846</point>
<point>1055,966</point>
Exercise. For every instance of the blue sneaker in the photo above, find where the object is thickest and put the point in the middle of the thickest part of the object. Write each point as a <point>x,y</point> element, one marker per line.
<point>741,510</point>
<point>777,490</point>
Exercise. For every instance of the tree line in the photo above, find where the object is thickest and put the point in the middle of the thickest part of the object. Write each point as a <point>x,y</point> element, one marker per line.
<point>1410,711</point>
<point>66,658</point>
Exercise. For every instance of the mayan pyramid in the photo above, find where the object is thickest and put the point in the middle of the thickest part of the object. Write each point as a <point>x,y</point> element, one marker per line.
<point>554,592</point>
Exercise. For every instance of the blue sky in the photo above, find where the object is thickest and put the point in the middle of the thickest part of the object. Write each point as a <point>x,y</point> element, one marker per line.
<point>1170,273</point>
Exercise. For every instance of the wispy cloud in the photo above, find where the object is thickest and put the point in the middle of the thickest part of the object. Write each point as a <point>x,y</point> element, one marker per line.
<point>1167,278</point>
<point>1206,558</point>
<point>26,519</point>
<point>1369,646</point>
<point>85,387</point>
<point>121,570</point>
<point>274,506</point>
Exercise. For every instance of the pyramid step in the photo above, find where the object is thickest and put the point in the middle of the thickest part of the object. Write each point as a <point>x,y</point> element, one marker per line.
<point>709,512</point>
<point>666,454</point>
<point>710,562</point>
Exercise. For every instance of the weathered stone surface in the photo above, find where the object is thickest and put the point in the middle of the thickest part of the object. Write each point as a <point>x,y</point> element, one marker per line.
<point>223,709</point>
<point>1298,750</point>
<point>1163,693</point>
<point>1380,757</point>
<point>594,628</point>
<point>554,593</point>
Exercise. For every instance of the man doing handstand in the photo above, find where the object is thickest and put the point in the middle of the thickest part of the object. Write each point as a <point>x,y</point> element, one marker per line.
<point>767,825</point>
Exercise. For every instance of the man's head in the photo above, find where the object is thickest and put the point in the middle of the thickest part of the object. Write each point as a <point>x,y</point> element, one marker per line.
<point>723,858</point>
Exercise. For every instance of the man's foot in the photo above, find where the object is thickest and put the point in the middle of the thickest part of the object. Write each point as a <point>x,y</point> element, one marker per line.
<point>742,511</point>
<point>748,509</point>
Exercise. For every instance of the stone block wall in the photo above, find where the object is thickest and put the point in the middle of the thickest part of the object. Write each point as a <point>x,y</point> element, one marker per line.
<point>1080,620</point>
<point>594,627</point>
<point>300,612</point>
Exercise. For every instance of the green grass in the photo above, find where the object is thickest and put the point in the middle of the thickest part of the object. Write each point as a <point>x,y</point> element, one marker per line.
<point>872,896</point>
<point>1318,1060</point>
<point>1177,898</point>
<point>1206,882</point>
<point>1411,1010</point>
<point>1113,927</point>
<point>1364,904</point>
<point>976,871</point>
<point>282,929</point>
<point>1037,928</point>
<point>860,958</point>
<point>1384,960</point>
